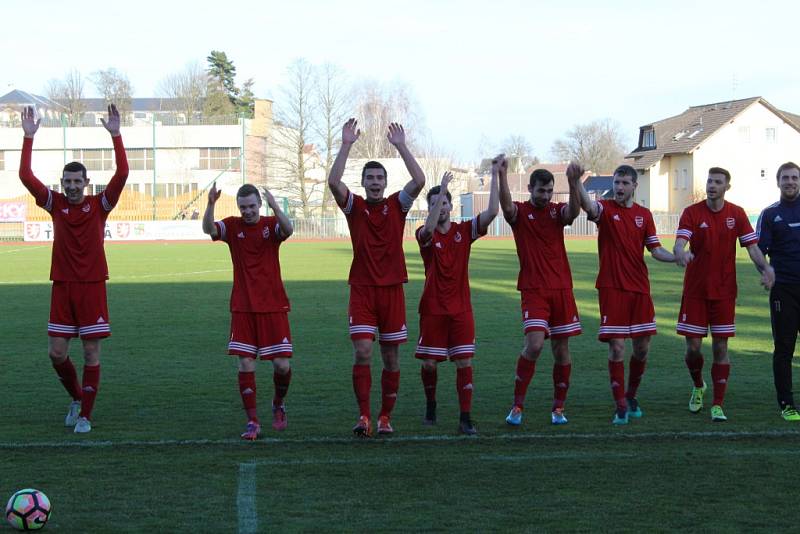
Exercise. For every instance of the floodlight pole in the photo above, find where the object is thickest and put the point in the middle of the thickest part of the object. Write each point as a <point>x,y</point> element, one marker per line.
<point>241,155</point>
<point>64,135</point>
<point>154,166</point>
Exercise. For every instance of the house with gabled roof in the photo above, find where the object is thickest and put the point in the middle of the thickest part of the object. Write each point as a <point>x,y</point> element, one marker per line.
<point>749,137</point>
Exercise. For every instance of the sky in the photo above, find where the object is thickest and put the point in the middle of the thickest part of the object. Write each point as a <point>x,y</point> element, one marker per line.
<point>479,71</point>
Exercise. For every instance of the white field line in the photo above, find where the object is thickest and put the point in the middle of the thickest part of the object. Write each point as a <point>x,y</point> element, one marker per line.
<point>566,437</point>
<point>130,277</point>
<point>20,249</point>
<point>246,499</point>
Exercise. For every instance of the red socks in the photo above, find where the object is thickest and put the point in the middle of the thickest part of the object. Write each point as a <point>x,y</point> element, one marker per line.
<point>69,378</point>
<point>464,387</point>
<point>719,375</point>
<point>525,370</point>
<point>429,377</point>
<point>390,383</point>
<point>695,367</point>
<point>362,383</point>
<point>636,372</point>
<point>247,389</point>
<point>281,383</point>
<point>560,384</point>
<point>616,374</point>
<point>91,383</point>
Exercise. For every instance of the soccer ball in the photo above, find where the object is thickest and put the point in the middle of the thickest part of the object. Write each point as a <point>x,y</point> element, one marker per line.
<point>28,509</point>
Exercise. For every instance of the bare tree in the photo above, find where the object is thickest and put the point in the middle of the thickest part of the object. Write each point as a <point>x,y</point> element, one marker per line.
<point>519,150</point>
<point>68,92</point>
<point>291,139</point>
<point>186,89</point>
<point>376,107</point>
<point>599,146</point>
<point>115,88</point>
<point>333,105</point>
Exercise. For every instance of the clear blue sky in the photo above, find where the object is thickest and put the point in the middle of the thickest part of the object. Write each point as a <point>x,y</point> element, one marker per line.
<point>479,70</point>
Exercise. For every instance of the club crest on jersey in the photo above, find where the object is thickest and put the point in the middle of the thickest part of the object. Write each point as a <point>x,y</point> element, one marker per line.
<point>86,208</point>
<point>616,217</point>
<point>639,220</point>
<point>552,213</point>
<point>458,237</point>
<point>265,232</point>
<point>730,222</point>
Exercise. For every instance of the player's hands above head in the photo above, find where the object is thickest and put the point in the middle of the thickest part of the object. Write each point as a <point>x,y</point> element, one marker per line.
<point>112,123</point>
<point>267,196</point>
<point>350,132</point>
<point>29,121</point>
<point>768,277</point>
<point>499,164</point>
<point>213,194</point>
<point>396,135</point>
<point>447,177</point>
<point>574,172</point>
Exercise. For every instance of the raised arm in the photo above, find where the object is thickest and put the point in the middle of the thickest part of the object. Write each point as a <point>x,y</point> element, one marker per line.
<point>284,223</point>
<point>506,203</point>
<point>208,217</point>
<point>350,133</point>
<point>766,270</point>
<point>397,137</point>
<point>590,206</point>
<point>486,217</point>
<point>29,127</point>
<point>117,182</point>
<point>682,256</point>
<point>435,210</point>
<point>574,174</point>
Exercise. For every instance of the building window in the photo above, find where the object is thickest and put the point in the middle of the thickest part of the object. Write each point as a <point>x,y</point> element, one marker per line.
<point>744,134</point>
<point>675,180</point>
<point>140,159</point>
<point>99,189</point>
<point>770,135</point>
<point>763,174</point>
<point>94,159</point>
<point>2,160</point>
<point>219,159</point>
<point>684,179</point>
<point>648,138</point>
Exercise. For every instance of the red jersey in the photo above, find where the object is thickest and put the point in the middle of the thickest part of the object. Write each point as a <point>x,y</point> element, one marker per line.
<point>623,233</point>
<point>446,259</point>
<point>712,239</point>
<point>257,284</point>
<point>539,235</point>
<point>79,229</point>
<point>376,232</point>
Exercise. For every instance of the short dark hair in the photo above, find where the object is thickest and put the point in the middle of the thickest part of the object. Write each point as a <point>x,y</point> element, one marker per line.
<point>720,170</point>
<point>543,176</point>
<point>373,165</point>
<point>435,191</point>
<point>627,170</point>
<point>246,190</point>
<point>787,165</point>
<point>75,166</point>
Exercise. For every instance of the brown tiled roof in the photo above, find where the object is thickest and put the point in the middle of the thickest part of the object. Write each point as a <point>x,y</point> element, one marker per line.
<point>683,133</point>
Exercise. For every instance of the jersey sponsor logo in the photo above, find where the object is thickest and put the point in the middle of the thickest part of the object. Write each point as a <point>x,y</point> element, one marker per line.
<point>703,225</point>
<point>530,216</point>
<point>730,222</point>
<point>240,235</point>
<point>386,209</point>
<point>438,244</point>
<point>265,234</point>
<point>616,217</point>
<point>65,211</point>
<point>639,220</point>
<point>86,208</point>
<point>458,237</point>
<point>777,219</point>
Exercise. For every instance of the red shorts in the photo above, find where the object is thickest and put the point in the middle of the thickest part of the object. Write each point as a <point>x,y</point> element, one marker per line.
<point>264,335</point>
<point>376,309</point>
<point>697,314</point>
<point>552,311</point>
<point>79,309</point>
<point>625,314</point>
<point>443,336</point>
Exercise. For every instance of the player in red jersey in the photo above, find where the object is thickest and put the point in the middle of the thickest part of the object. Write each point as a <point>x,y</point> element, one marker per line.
<point>625,228</point>
<point>259,305</point>
<point>711,228</point>
<point>78,305</point>
<point>378,271</point>
<point>544,283</point>
<point>446,323</point>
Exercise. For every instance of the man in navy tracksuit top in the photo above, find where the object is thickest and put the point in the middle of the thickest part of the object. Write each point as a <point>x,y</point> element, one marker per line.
<point>779,237</point>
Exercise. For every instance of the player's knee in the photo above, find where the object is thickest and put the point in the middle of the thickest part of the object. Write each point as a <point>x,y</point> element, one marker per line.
<point>532,350</point>
<point>429,365</point>
<point>57,354</point>
<point>282,365</point>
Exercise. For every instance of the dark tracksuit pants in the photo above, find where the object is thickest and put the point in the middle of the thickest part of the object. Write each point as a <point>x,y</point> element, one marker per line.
<point>784,300</point>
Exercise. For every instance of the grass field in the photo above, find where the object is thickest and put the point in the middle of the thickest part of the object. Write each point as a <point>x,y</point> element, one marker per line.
<point>164,454</point>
